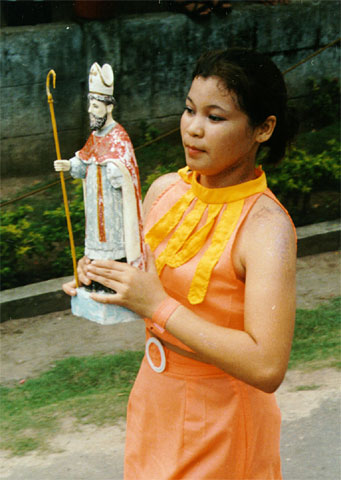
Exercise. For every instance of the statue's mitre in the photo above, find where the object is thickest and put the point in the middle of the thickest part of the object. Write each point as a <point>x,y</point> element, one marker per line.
<point>101,80</point>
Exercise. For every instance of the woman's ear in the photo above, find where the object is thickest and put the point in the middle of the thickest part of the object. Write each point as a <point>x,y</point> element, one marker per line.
<point>265,130</point>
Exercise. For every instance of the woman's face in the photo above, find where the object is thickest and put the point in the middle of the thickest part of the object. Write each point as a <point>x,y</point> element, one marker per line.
<point>219,143</point>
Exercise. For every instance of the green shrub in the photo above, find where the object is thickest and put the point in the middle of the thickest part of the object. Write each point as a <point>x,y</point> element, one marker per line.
<point>26,238</point>
<point>147,132</point>
<point>317,141</point>
<point>159,159</point>
<point>301,173</point>
<point>322,105</point>
<point>20,244</point>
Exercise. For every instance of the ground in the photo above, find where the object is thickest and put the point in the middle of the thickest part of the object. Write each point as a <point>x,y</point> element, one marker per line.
<point>32,345</point>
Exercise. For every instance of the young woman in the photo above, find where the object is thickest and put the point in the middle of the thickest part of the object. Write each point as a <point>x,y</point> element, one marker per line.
<point>219,302</point>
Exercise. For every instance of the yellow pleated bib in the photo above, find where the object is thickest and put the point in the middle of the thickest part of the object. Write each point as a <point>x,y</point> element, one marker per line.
<point>222,206</point>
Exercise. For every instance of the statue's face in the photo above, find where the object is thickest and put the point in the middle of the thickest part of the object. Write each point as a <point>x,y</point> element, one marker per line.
<point>97,114</point>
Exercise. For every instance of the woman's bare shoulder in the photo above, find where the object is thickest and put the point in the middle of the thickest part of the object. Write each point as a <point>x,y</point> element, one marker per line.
<point>267,211</point>
<point>157,188</point>
<point>267,234</point>
<point>270,227</point>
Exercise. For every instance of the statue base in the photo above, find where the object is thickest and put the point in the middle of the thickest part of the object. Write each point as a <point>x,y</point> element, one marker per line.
<point>105,314</point>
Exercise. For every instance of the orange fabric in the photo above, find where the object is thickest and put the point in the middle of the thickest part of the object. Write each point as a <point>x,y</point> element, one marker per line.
<point>162,314</point>
<point>193,421</point>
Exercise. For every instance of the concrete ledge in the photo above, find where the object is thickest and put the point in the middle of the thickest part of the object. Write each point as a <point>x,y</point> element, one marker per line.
<point>318,238</point>
<point>47,297</point>
<point>34,299</point>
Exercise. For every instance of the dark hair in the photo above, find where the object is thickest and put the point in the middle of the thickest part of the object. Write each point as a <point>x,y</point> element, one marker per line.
<point>260,90</point>
<point>106,99</point>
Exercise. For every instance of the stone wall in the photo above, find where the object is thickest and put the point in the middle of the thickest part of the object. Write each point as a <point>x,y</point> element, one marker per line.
<point>152,56</point>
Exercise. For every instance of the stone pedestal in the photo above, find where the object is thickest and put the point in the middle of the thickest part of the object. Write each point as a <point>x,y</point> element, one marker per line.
<point>105,314</point>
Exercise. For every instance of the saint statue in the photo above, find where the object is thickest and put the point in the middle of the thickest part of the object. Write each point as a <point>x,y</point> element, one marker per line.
<point>112,192</point>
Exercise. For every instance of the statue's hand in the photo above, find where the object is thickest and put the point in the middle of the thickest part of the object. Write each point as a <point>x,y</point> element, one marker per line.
<point>62,165</point>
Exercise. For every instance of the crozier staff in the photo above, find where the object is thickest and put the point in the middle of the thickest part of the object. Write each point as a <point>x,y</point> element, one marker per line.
<point>219,303</point>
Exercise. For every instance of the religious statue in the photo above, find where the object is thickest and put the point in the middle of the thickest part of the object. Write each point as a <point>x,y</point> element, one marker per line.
<point>112,195</point>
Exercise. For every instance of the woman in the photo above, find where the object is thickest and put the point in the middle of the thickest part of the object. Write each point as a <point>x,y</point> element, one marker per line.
<point>220,304</point>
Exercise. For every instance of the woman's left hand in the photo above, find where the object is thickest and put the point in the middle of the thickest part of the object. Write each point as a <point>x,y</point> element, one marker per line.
<point>135,289</point>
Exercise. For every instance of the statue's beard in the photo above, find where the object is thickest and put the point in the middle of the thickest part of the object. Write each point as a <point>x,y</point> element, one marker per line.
<point>96,123</point>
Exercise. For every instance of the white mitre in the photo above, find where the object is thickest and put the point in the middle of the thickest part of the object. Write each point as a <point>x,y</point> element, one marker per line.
<point>101,80</point>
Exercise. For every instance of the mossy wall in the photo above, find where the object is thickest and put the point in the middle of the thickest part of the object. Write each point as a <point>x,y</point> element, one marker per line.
<point>152,55</point>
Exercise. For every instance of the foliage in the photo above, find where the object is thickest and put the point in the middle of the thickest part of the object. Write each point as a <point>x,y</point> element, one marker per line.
<point>147,132</point>
<point>18,242</point>
<point>316,141</point>
<point>322,107</point>
<point>158,159</point>
<point>26,237</point>
<point>301,173</point>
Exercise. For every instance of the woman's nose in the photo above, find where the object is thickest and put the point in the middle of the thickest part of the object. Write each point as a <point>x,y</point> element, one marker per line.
<point>195,127</point>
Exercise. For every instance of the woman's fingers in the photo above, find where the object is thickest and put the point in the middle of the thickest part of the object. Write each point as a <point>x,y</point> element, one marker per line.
<point>109,273</point>
<point>82,270</point>
<point>106,280</point>
<point>135,289</point>
<point>109,264</point>
<point>70,288</point>
<point>107,269</point>
<point>101,298</point>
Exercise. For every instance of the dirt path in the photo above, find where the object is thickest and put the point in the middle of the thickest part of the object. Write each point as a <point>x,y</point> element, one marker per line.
<point>32,345</point>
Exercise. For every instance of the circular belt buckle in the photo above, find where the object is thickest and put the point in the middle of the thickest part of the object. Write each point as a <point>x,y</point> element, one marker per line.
<point>159,345</point>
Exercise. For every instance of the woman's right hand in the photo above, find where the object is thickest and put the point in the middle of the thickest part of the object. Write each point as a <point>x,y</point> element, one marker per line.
<point>70,287</point>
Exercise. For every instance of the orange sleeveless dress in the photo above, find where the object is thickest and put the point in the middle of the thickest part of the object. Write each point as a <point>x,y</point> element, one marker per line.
<point>193,421</point>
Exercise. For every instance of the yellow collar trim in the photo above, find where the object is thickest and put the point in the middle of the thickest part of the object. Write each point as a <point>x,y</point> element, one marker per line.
<point>187,238</point>
<point>225,194</point>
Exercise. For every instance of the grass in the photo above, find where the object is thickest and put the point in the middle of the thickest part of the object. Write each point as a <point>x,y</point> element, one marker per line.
<point>317,336</point>
<point>91,389</point>
<point>306,388</point>
<point>95,389</point>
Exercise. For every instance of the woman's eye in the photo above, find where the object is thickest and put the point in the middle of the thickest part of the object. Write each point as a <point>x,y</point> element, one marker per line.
<point>188,110</point>
<point>216,118</point>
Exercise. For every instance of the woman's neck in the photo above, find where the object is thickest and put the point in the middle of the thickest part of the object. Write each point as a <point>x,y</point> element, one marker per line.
<point>233,176</point>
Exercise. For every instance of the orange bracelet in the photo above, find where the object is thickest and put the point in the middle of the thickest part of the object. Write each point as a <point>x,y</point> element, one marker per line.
<point>163,312</point>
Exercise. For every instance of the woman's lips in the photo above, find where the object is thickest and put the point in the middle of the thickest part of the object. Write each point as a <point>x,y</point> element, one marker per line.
<point>193,151</point>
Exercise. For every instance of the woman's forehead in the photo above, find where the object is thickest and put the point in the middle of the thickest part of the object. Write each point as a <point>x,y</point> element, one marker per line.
<point>213,87</point>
